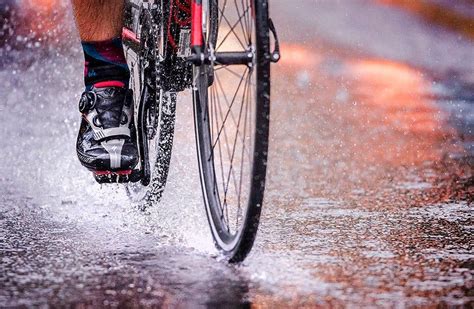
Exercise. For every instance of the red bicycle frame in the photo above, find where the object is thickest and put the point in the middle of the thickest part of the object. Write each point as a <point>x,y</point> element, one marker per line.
<point>196,26</point>
<point>199,54</point>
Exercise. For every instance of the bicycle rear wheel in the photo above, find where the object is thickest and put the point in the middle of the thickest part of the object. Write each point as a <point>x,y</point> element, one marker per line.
<point>155,108</point>
<point>231,112</point>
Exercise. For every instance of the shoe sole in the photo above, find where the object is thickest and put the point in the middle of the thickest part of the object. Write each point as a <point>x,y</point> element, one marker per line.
<point>124,176</point>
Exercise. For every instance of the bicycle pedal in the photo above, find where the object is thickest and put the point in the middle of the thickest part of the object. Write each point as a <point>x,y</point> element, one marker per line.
<point>108,177</point>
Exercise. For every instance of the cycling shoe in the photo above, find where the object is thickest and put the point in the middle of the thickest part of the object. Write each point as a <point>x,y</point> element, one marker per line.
<point>106,144</point>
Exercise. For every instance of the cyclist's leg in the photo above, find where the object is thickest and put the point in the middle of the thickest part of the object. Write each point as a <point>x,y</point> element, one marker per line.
<point>98,20</point>
<point>99,23</point>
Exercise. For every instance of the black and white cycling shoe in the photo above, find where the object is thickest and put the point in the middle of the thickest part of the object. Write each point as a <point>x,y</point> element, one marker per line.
<point>106,144</point>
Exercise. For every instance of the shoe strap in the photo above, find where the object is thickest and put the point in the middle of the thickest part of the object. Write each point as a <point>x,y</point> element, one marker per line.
<point>102,134</point>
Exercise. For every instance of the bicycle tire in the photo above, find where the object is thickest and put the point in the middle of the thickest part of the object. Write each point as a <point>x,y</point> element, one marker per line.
<point>235,246</point>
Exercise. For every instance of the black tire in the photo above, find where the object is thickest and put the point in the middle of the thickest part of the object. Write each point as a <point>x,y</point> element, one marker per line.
<point>234,245</point>
<point>160,157</point>
<point>144,78</point>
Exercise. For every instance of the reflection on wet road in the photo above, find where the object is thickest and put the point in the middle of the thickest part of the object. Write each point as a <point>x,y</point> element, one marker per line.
<point>370,190</point>
<point>456,16</point>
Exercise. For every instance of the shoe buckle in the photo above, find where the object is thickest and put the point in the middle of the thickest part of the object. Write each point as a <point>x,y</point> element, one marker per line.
<point>87,101</point>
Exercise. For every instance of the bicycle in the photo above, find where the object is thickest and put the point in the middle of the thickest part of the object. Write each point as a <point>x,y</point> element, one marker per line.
<point>210,47</point>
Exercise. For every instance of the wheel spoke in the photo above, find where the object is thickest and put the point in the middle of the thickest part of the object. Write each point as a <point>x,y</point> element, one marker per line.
<point>227,102</point>
<point>230,108</point>
<point>216,105</point>
<point>249,23</point>
<point>222,174</point>
<point>226,67</point>
<point>229,156</point>
<point>232,31</point>
<point>242,27</point>
<point>222,13</point>
<point>239,196</point>
<point>231,167</point>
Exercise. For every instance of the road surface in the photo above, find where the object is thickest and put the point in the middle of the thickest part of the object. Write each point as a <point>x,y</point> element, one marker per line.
<point>370,190</point>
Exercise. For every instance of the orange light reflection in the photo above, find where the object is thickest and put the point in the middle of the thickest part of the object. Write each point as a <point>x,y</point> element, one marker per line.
<point>386,116</point>
<point>400,92</point>
<point>437,14</point>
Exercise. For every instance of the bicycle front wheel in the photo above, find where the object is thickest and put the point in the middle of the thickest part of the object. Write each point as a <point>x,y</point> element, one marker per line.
<point>231,112</point>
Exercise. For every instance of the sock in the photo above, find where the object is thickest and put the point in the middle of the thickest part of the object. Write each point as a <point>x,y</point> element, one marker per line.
<point>105,64</point>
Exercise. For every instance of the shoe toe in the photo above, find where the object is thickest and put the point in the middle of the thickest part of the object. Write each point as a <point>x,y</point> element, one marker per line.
<point>129,156</point>
<point>99,159</point>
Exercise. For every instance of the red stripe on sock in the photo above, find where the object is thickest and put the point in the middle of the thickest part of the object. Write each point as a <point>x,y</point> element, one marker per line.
<point>112,83</point>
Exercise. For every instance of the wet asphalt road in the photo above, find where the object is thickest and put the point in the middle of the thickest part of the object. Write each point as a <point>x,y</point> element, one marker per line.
<point>370,190</point>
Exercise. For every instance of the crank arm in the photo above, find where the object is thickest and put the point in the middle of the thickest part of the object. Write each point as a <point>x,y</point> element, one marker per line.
<point>142,139</point>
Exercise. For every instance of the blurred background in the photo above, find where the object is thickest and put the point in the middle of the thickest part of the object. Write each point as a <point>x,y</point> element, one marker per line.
<point>370,190</point>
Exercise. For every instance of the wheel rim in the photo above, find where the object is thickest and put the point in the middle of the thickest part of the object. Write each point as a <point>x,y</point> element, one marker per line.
<point>231,99</point>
